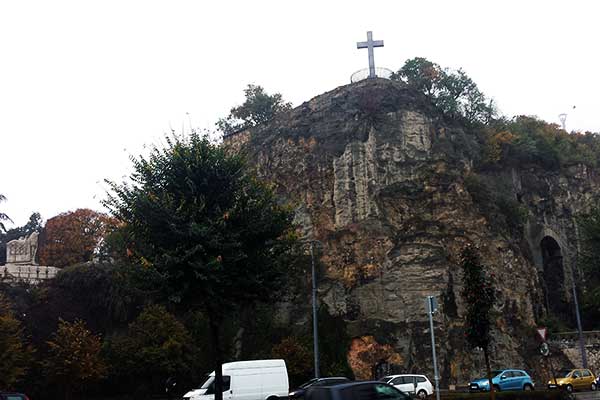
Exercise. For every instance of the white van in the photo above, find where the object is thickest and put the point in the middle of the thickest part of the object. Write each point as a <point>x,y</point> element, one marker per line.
<point>247,380</point>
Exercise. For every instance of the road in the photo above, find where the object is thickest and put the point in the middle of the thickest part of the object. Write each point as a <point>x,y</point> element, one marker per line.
<point>587,395</point>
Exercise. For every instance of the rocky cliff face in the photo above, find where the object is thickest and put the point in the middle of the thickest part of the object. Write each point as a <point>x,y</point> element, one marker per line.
<point>377,177</point>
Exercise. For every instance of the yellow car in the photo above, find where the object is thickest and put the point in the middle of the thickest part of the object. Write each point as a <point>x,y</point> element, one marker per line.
<point>573,379</point>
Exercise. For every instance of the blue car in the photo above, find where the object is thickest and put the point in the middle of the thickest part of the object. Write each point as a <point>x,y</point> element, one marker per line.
<point>503,379</point>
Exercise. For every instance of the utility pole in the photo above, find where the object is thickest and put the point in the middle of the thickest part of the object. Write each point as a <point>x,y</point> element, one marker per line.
<point>314,310</point>
<point>579,330</point>
<point>431,303</point>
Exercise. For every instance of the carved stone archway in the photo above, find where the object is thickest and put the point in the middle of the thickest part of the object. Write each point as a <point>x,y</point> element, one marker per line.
<point>554,278</point>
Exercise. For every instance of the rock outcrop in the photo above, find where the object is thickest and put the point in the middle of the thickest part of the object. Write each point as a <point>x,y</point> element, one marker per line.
<point>377,176</point>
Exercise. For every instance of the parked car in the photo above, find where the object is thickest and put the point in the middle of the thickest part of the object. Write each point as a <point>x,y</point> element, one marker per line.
<point>247,380</point>
<point>574,379</point>
<point>298,393</point>
<point>361,390</point>
<point>417,385</point>
<point>503,379</point>
<point>13,396</point>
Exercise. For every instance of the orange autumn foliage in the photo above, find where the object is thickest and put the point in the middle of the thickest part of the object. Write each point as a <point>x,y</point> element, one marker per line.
<point>74,237</point>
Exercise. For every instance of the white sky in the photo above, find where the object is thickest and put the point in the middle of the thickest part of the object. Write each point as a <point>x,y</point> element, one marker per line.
<point>85,84</point>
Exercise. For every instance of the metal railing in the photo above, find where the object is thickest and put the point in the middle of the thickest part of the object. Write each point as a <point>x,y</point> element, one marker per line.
<point>362,74</point>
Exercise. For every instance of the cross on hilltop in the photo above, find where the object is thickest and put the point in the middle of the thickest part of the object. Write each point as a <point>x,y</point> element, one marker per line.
<point>370,44</point>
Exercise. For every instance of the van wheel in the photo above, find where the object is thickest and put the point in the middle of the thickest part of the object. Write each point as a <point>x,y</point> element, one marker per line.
<point>422,394</point>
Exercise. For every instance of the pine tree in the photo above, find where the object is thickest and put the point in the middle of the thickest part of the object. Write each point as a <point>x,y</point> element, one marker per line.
<point>478,294</point>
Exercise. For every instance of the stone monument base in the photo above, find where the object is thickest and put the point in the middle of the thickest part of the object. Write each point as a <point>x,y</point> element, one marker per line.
<point>27,273</point>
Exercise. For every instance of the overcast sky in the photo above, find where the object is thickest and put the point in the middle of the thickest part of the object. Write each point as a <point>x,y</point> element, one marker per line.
<point>85,84</point>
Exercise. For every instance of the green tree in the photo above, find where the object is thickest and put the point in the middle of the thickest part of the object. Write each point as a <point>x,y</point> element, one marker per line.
<point>216,234</point>
<point>453,92</point>
<point>74,358</point>
<point>589,263</point>
<point>3,217</point>
<point>478,294</point>
<point>16,352</point>
<point>156,346</point>
<point>258,107</point>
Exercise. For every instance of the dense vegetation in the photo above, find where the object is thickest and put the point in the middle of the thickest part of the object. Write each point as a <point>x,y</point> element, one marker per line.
<point>258,107</point>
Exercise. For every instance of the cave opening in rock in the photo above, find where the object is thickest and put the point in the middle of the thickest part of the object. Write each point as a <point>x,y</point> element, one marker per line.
<point>553,279</point>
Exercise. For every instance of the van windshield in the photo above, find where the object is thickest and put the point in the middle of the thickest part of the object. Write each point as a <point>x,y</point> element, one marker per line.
<point>209,380</point>
<point>209,384</point>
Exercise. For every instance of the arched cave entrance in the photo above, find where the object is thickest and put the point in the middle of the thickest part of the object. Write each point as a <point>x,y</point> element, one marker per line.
<point>553,279</point>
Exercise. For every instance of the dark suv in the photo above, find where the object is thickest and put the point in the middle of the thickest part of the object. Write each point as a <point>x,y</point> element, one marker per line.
<point>366,390</point>
<point>297,393</point>
<point>12,396</point>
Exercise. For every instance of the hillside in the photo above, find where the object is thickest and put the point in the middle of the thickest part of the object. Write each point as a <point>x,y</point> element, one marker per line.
<point>392,190</point>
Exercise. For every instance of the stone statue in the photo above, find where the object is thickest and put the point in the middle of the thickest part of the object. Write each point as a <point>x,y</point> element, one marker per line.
<point>23,250</point>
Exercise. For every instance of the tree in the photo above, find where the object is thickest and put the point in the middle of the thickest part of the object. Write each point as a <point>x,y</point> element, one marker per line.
<point>452,91</point>
<point>259,107</point>
<point>74,358</point>
<point>589,263</point>
<point>156,346</point>
<point>214,232</point>
<point>298,358</point>
<point>479,297</point>
<point>16,352</point>
<point>3,217</point>
<point>74,237</point>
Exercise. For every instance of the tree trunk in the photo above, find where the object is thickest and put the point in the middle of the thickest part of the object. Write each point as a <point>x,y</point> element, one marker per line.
<point>218,360</point>
<point>489,373</point>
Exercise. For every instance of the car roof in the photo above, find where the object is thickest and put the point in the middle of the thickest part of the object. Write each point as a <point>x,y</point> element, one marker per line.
<point>354,383</point>
<point>334,377</point>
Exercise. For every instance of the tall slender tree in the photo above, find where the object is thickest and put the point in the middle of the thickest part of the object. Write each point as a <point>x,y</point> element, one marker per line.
<point>3,217</point>
<point>216,234</point>
<point>478,294</point>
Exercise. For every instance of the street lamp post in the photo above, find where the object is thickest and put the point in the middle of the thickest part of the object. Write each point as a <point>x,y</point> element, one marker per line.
<point>431,305</point>
<point>578,316</point>
<point>314,311</point>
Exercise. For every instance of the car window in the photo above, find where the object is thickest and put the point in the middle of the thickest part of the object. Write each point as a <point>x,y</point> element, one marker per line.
<point>14,397</point>
<point>506,374</point>
<point>309,383</point>
<point>398,381</point>
<point>385,392</point>
<point>586,373</point>
<point>518,374</point>
<point>576,374</point>
<point>421,379</point>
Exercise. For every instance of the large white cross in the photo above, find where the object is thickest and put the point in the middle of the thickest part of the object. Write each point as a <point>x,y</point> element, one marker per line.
<point>370,44</point>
